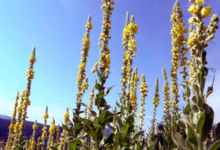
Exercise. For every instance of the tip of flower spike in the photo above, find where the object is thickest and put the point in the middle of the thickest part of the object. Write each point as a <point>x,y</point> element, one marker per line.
<point>34,51</point>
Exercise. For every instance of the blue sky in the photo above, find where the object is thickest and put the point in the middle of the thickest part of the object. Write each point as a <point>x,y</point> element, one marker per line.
<point>56,29</point>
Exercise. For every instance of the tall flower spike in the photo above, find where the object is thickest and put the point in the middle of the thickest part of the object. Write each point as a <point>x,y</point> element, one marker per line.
<point>130,31</point>
<point>57,135</point>
<point>32,141</point>
<point>27,102</point>
<point>44,133</point>
<point>144,92</point>
<point>125,40</point>
<point>82,85</point>
<point>156,103</point>
<point>11,127</point>
<point>104,59</point>
<point>91,98</point>
<point>133,90</point>
<point>178,40</point>
<point>52,129</point>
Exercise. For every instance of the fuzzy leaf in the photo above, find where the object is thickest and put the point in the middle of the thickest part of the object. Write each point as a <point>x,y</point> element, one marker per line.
<point>77,129</point>
<point>53,148</point>
<point>99,133</point>
<point>65,127</point>
<point>179,141</point>
<point>129,124</point>
<point>191,135</point>
<point>86,121</point>
<point>181,124</point>
<point>123,139</point>
<point>189,145</point>
<point>187,109</point>
<point>109,140</point>
<point>217,131</point>
<point>108,90</point>
<point>105,117</point>
<point>205,122</point>
<point>215,145</point>
<point>137,135</point>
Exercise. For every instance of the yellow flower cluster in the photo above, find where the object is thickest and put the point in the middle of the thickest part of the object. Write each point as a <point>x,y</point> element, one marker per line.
<point>205,11</point>
<point>82,85</point>
<point>32,58</point>
<point>94,69</point>
<point>128,35</point>
<point>46,116</point>
<point>52,127</point>
<point>66,117</point>
<point>156,98</point>
<point>44,134</point>
<point>35,127</point>
<point>143,88</point>
<point>133,94</point>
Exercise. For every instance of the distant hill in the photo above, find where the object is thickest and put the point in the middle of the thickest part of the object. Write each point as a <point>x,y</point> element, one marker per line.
<point>5,117</point>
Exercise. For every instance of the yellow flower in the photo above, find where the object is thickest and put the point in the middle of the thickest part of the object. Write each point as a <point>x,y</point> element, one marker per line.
<point>134,48</point>
<point>109,36</point>
<point>103,34</point>
<point>99,44</point>
<point>112,2</point>
<point>200,2</point>
<point>192,9</point>
<point>46,116</point>
<point>130,44</point>
<point>134,42</point>
<point>135,28</point>
<point>123,80</point>
<point>138,116</point>
<point>206,11</point>
<point>103,6</point>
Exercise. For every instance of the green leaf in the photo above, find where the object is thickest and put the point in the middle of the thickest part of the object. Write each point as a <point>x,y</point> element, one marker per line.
<point>73,146</point>
<point>53,148</point>
<point>189,145</point>
<point>187,109</point>
<point>215,145</point>
<point>129,124</point>
<point>178,139</point>
<point>191,135</point>
<point>123,139</point>
<point>87,121</point>
<point>77,129</point>
<point>65,127</point>
<point>205,122</point>
<point>109,140</point>
<point>99,133</point>
<point>137,135</point>
<point>217,131</point>
<point>105,117</point>
<point>181,124</point>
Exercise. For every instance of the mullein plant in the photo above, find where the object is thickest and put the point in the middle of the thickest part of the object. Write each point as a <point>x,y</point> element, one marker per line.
<point>178,40</point>
<point>125,40</point>
<point>166,130</point>
<point>32,141</point>
<point>11,127</point>
<point>50,141</point>
<point>198,115</point>
<point>20,143</point>
<point>44,130</point>
<point>74,130</point>
<point>150,142</point>
<point>96,124</point>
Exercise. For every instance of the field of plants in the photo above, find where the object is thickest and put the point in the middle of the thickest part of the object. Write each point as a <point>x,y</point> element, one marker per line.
<point>191,129</point>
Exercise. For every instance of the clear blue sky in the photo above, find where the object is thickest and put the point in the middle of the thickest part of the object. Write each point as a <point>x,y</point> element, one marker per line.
<point>56,29</point>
